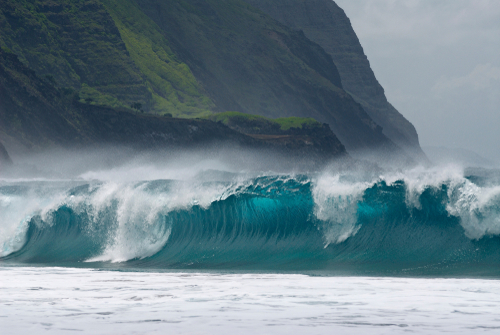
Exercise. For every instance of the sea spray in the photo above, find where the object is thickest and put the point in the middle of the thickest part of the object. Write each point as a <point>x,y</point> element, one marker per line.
<point>418,221</point>
<point>336,206</point>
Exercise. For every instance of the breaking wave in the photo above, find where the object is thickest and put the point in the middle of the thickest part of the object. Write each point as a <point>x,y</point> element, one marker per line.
<point>416,222</point>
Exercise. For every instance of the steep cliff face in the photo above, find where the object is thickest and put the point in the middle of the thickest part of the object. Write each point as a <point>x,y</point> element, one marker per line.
<point>188,58</point>
<point>251,63</point>
<point>35,114</point>
<point>325,23</point>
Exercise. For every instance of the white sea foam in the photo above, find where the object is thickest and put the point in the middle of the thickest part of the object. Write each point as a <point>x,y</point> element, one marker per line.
<point>336,204</point>
<point>60,301</point>
<point>418,179</point>
<point>477,207</point>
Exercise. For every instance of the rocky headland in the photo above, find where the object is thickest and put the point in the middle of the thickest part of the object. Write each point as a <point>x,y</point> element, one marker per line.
<point>44,117</point>
<point>154,73</point>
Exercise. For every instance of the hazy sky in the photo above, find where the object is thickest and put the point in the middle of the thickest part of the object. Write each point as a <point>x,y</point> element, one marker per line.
<point>439,63</point>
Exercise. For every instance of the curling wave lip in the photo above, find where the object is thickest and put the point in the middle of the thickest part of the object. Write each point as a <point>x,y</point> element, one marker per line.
<point>417,223</point>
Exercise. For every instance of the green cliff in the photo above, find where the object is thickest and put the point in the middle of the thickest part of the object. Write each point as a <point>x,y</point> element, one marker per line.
<point>109,51</point>
<point>184,58</point>
<point>325,23</point>
<point>36,115</point>
<point>298,137</point>
<point>251,63</point>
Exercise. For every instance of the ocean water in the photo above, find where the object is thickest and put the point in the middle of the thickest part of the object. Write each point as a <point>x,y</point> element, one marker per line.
<point>64,301</point>
<point>219,252</point>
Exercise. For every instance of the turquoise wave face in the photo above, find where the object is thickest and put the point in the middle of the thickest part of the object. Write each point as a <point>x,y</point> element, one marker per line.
<point>411,224</point>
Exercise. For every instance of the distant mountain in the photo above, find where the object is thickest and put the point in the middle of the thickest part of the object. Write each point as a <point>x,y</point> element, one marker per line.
<point>186,58</point>
<point>325,23</point>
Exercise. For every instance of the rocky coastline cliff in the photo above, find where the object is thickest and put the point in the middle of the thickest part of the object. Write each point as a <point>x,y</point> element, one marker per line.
<point>36,115</point>
<point>325,23</point>
<point>83,72</point>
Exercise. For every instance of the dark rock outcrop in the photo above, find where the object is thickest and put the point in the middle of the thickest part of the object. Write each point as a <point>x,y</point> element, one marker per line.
<point>307,138</point>
<point>36,115</point>
<point>325,23</point>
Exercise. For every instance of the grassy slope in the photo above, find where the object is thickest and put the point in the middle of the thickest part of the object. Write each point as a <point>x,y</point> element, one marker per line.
<point>174,88</point>
<point>283,124</point>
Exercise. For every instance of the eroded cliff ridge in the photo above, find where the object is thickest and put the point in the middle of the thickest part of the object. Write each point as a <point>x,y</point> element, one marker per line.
<point>186,58</point>
<point>325,23</point>
<point>248,62</point>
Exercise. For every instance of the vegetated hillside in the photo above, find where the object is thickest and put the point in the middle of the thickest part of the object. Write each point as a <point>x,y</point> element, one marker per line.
<point>113,58</point>
<point>174,88</point>
<point>34,115</point>
<point>325,23</point>
<point>249,62</point>
<point>188,58</point>
<point>255,124</point>
<point>32,110</point>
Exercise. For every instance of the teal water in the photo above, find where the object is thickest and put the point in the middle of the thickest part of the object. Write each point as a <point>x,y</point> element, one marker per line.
<point>416,223</point>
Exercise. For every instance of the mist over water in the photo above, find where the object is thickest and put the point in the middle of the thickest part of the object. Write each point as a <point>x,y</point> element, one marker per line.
<point>117,241</point>
<point>214,210</point>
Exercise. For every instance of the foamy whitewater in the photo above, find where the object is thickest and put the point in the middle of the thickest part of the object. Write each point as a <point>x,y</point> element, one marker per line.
<point>65,301</point>
<point>222,252</point>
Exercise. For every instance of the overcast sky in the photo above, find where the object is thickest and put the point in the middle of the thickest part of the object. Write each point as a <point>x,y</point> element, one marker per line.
<point>439,63</point>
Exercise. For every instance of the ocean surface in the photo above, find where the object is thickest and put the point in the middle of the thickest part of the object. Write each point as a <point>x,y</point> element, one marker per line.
<point>65,301</point>
<point>221,252</point>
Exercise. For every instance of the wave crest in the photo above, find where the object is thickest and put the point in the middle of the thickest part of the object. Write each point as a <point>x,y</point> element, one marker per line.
<point>297,222</point>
